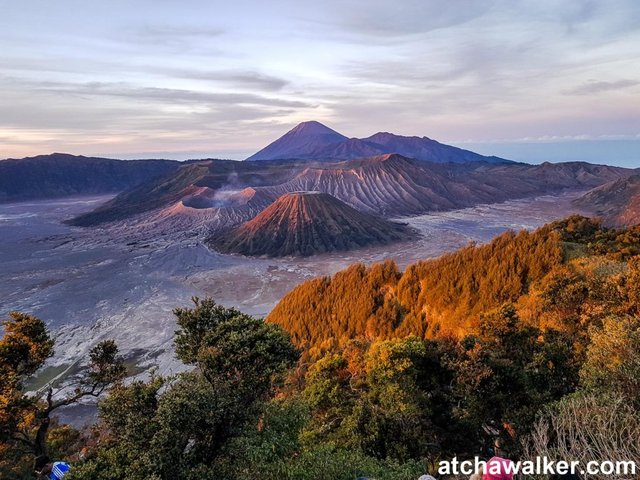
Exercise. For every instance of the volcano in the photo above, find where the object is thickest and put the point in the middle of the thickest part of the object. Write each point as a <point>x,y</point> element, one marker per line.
<point>308,223</point>
<point>300,142</point>
<point>315,141</point>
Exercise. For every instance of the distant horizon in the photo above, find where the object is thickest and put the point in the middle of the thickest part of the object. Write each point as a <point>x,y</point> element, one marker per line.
<point>592,151</point>
<point>617,152</point>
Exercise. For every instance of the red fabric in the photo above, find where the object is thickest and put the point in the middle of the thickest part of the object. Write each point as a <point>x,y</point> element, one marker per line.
<point>497,469</point>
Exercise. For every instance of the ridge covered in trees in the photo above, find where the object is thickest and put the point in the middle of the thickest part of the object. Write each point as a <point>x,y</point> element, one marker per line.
<point>447,296</point>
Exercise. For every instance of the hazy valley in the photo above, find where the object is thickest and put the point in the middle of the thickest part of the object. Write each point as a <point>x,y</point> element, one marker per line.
<point>94,283</point>
<point>116,266</point>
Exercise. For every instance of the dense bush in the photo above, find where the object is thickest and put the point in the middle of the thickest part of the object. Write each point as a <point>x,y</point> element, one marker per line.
<point>432,298</point>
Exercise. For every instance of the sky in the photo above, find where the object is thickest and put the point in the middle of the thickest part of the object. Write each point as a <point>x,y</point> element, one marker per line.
<point>528,80</point>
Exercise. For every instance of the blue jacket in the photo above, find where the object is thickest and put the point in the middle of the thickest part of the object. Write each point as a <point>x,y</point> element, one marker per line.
<point>59,470</point>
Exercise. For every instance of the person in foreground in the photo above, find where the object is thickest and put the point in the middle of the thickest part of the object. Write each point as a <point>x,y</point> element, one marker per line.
<point>51,471</point>
<point>498,468</point>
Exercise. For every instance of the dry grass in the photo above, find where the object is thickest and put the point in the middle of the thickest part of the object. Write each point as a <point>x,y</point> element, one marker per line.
<point>588,428</point>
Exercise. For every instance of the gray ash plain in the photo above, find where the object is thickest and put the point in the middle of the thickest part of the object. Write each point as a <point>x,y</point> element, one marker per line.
<point>90,284</point>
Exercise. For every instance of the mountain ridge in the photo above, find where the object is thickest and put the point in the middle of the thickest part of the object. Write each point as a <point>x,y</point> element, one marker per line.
<point>388,185</point>
<point>617,202</point>
<point>62,174</point>
<point>315,141</point>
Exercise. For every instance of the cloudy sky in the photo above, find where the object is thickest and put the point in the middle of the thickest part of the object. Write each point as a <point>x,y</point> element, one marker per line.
<point>531,80</point>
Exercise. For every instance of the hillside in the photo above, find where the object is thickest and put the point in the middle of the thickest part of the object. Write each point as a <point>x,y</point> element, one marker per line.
<point>145,197</point>
<point>617,202</point>
<point>536,335</point>
<point>430,297</point>
<point>59,174</point>
<point>307,223</point>
<point>314,141</point>
<point>449,296</point>
<point>397,186</point>
<point>424,148</point>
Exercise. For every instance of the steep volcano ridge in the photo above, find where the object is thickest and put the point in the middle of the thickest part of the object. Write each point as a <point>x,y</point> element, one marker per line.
<point>617,202</point>
<point>193,186</point>
<point>300,142</point>
<point>388,185</point>
<point>307,223</point>
<point>394,185</point>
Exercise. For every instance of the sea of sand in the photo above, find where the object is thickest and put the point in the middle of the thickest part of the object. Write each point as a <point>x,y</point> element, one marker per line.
<point>90,284</point>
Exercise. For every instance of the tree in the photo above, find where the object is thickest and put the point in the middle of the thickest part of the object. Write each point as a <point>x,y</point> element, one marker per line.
<point>123,437</point>
<point>505,375</point>
<point>25,418</point>
<point>613,358</point>
<point>196,323</point>
<point>189,420</point>
<point>633,285</point>
<point>233,349</point>
<point>433,298</point>
<point>387,399</point>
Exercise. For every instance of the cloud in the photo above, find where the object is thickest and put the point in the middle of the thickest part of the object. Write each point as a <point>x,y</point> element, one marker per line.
<point>122,109</point>
<point>169,33</point>
<point>165,95</point>
<point>237,78</point>
<point>178,39</point>
<point>381,20</point>
<point>553,139</point>
<point>594,87</point>
<point>237,75</point>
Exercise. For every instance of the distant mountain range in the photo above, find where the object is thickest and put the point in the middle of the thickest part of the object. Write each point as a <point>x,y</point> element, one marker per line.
<point>307,223</point>
<point>214,198</point>
<point>315,141</point>
<point>617,202</point>
<point>219,194</point>
<point>59,175</point>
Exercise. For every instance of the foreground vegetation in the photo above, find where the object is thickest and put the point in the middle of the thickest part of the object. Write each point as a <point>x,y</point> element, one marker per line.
<point>530,339</point>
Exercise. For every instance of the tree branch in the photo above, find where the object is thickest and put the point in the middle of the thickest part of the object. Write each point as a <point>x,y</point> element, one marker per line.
<point>23,440</point>
<point>95,391</point>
